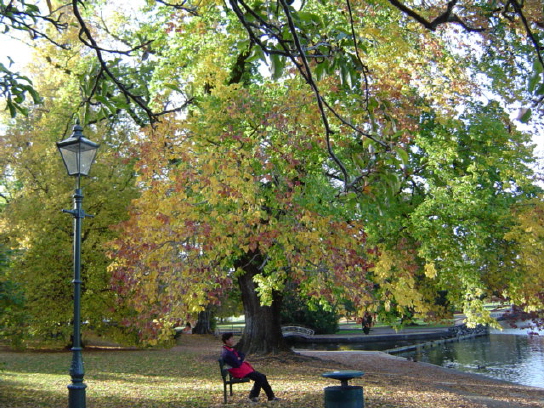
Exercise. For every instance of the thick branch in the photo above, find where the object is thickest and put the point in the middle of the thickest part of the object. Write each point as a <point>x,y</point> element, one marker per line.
<point>447,17</point>
<point>537,46</point>
<point>190,10</point>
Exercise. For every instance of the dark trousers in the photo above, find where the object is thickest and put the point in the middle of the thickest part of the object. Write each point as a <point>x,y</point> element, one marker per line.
<point>260,382</point>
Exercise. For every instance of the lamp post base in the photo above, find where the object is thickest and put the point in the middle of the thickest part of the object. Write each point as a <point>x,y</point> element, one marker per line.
<point>76,395</point>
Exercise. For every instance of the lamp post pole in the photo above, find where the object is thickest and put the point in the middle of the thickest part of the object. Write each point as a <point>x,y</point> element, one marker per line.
<point>78,154</point>
<point>76,390</point>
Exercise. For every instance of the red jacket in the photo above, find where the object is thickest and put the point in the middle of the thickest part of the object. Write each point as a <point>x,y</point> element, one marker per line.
<point>235,360</point>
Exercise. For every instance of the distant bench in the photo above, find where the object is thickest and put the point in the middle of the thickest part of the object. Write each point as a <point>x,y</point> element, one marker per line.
<point>236,331</point>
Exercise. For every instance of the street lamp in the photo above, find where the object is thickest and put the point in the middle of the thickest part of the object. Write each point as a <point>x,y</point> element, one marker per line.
<point>78,154</point>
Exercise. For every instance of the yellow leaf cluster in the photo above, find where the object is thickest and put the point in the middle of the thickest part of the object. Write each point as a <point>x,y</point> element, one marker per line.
<point>395,273</point>
<point>529,235</point>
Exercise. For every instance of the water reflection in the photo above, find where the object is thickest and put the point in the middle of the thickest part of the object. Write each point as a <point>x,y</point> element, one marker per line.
<point>510,357</point>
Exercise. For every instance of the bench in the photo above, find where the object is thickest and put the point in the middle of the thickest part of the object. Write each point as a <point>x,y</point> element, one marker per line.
<point>236,331</point>
<point>228,379</point>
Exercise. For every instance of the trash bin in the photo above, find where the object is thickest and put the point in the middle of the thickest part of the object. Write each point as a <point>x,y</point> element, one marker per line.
<point>344,396</point>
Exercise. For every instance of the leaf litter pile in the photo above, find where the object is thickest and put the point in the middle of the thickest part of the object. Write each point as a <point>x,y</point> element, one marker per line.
<point>187,376</point>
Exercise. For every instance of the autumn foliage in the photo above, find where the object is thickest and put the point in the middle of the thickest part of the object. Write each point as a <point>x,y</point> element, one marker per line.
<point>363,152</point>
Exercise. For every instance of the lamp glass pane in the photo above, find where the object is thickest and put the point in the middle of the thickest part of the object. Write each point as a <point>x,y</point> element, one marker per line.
<point>70,161</point>
<point>86,160</point>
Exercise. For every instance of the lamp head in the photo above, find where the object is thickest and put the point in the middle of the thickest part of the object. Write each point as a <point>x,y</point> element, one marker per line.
<point>78,152</point>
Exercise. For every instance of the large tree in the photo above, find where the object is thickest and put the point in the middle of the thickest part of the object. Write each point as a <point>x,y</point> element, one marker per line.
<point>259,172</point>
<point>243,200</point>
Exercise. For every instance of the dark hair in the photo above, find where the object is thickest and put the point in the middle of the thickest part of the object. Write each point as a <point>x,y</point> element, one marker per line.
<point>226,336</point>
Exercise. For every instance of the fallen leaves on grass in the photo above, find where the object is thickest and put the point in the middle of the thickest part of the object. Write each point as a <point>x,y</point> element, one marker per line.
<point>188,376</point>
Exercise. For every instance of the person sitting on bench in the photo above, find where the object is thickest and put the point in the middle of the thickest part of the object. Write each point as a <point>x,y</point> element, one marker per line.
<point>242,369</point>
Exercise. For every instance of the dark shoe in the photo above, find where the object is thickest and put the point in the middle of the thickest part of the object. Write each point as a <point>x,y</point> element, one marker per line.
<point>274,399</point>
<point>254,399</point>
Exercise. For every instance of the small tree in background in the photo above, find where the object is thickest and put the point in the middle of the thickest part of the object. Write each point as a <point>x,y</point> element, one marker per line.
<point>12,316</point>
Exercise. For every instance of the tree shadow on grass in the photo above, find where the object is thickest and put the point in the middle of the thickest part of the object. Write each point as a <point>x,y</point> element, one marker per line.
<point>15,394</point>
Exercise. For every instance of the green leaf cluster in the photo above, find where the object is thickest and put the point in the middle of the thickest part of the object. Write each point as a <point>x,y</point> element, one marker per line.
<point>15,88</point>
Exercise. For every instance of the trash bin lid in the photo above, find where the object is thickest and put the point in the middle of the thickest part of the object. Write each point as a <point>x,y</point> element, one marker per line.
<point>343,375</point>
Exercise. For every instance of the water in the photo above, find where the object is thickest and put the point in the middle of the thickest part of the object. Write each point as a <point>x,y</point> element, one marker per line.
<point>509,355</point>
<point>369,346</point>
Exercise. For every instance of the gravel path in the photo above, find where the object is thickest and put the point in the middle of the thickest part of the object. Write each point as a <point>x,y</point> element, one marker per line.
<point>465,389</point>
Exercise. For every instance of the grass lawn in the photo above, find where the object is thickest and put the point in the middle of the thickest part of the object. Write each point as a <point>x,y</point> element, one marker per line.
<point>185,376</point>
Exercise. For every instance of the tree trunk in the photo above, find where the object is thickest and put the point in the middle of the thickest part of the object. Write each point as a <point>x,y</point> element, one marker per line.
<point>262,333</point>
<point>203,325</point>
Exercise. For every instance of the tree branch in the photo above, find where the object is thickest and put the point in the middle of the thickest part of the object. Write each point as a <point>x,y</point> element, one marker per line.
<point>190,10</point>
<point>104,66</point>
<point>18,18</point>
<point>537,46</point>
<point>299,57</point>
<point>365,69</point>
<point>307,74</point>
<point>447,17</point>
<point>87,39</point>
